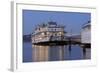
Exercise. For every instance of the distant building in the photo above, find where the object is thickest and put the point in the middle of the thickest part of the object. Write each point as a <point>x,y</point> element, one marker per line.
<point>86,34</point>
<point>50,31</point>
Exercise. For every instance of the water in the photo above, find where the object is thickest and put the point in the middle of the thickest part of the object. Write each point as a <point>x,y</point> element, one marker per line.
<point>34,53</point>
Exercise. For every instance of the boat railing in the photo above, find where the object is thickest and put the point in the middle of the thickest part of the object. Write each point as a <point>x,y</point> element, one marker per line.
<point>58,38</point>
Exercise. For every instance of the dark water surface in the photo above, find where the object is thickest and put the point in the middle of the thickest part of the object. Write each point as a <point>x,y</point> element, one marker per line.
<point>34,53</point>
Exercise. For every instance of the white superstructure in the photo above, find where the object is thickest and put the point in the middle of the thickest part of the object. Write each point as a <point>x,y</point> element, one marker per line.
<point>48,32</point>
<point>86,33</point>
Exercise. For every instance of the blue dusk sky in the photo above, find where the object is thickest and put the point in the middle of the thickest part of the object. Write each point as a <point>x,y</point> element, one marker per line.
<point>73,21</point>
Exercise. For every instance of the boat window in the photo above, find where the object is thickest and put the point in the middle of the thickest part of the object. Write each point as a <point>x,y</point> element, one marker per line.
<point>39,28</point>
<point>45,33</point>
<point>55,29</point>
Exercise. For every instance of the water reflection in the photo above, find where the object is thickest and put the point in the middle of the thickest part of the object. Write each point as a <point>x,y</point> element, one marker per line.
<point>86,53</point>
<point>55,53</point>
<point>40,53</point>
